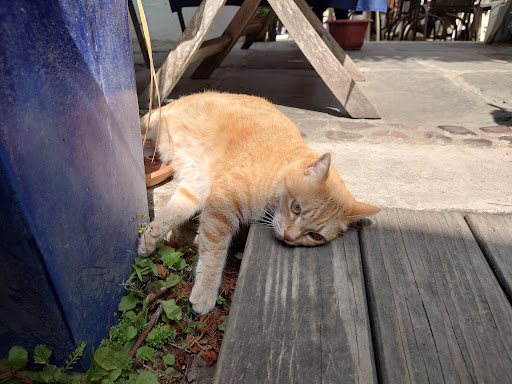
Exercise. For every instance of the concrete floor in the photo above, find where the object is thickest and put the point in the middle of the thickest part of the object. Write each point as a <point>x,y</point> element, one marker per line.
<point>444,141</point>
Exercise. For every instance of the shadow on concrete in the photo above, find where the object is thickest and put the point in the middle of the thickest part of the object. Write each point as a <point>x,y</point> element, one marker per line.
<point>501,116</point>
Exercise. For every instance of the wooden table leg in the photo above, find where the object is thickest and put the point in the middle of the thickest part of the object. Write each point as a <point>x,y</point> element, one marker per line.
<point>233,30</point>
<point>138,32</point>
<point>181,56</point>
<point>500,20</point>
<point>329,41</point>
<point>323,60</point>
<point>251,38</point>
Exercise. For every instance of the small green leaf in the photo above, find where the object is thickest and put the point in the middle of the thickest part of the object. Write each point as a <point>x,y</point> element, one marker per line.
<point>145,351</point>
<point>224,323</point>
<point>127,303</point>
<point>180,264</point>
<point>113,375</point>
<point>171,309</point>
<point>18,357</point>
<point>75,356</point>
<point>239,255</point>
<point>50,373</point>
<point>130,332</point>
<point>106,358</point>
<point>171,281</point>
<point>156,330</point>
<point>140,271</point>
<point>153,268</point>
<point>142,262</point>
<point>169,359</point>
<point>168,255</point>
<point>220,300</point>
<point>130,315</point>
<point>41,354</point>
<point>146,377</point>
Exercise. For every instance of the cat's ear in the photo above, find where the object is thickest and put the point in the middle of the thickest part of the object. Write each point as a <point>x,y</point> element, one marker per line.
<point>319,168</point>
<point>362,210</point>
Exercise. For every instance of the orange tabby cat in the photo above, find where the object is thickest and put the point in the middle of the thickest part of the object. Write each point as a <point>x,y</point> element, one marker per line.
<point>237,159</point>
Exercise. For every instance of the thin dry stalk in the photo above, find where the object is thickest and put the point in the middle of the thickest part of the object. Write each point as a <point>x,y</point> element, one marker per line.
<point>145,30</point>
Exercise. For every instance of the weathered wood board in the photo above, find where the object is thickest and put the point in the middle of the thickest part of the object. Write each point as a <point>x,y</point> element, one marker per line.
<point>326,64</point>
<point>234,31</point>
<point>181,56</point>
<point>438,313</point>
<point>299,315</point>
<point>329,41</point>
<point>494,235</point>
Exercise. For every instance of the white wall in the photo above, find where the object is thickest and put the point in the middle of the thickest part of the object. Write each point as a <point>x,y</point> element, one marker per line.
<point>164,26</point>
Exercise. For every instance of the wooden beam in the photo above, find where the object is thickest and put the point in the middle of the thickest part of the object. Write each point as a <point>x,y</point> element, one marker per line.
<point>329,41</point>
<point>180,57</point>
<point>138,33</point>
<point>234,31</point>
<point>251,29</point>
<point>323,60</point>
<point>262,29</point>
<point>499,22</point>
<point>211,47</point>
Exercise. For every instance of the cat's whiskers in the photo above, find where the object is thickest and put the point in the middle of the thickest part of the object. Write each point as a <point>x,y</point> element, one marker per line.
<point>266,217</point>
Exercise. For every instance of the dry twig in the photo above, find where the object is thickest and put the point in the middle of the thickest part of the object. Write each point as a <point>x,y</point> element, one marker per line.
<point>142,337</point>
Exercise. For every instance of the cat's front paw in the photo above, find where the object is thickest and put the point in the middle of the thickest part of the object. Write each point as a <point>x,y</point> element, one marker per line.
<point>203,298</point>
<point>148,241</point>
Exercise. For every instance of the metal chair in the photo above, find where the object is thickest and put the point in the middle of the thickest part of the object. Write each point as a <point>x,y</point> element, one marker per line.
<point>436,20</point>
<point>455,13</point>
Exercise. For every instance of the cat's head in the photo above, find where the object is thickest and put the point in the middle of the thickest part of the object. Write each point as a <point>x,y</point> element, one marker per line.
<point>315,206</point>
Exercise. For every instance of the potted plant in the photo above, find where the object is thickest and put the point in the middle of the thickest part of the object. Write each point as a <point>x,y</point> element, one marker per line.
<point>349,33</point>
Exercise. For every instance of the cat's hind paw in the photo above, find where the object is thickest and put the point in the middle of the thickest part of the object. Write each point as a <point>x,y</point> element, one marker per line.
<point>203,300</point>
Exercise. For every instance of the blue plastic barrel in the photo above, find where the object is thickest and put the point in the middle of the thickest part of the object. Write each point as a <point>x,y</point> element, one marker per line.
<point>71,170</point>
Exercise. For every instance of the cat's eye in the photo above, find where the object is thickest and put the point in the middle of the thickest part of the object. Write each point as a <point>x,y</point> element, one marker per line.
<point>316,236</point>
<point>295,207</point>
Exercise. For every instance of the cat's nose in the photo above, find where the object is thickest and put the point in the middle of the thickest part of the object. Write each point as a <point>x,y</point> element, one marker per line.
<point>287,237</point>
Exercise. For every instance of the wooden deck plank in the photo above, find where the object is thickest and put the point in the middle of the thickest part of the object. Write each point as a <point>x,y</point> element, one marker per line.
<point>494,235</point>
<point>298,315</point>
<point>438,313</point>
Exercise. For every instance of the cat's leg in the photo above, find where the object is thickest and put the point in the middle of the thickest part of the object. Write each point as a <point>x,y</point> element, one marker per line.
<point>215,232</point>
<point>182,206</point>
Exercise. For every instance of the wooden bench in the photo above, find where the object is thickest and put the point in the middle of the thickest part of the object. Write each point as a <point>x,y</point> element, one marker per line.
<point>418,297</point>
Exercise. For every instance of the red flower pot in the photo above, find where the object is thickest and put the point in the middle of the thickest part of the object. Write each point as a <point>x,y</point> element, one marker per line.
<point>349,33</point>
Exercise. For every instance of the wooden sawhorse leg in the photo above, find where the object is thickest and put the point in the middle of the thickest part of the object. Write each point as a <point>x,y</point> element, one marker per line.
<point>234,30</point>
<point>329,66</point>
<point>187,46</point>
